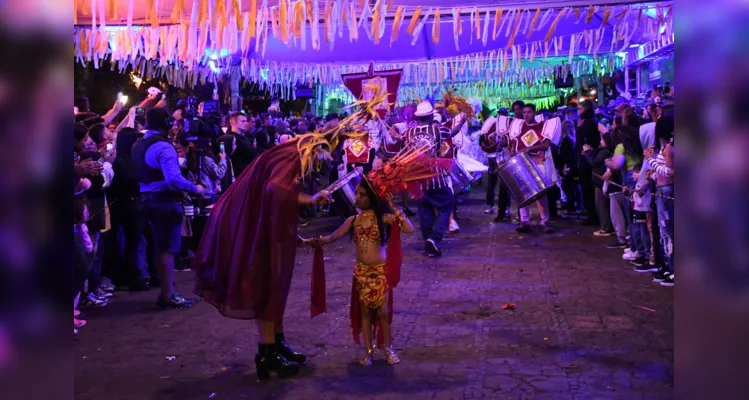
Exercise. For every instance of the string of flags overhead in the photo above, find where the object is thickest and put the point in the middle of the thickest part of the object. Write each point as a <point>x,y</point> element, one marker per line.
<point>181,49</point>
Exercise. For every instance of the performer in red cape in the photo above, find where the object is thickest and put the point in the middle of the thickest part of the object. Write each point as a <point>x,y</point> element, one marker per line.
<point>245,260</point>
<point>246,257</point>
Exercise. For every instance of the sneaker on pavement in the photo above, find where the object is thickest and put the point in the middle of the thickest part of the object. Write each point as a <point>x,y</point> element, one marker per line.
<point>631,256</point>
<point>489,210</point>
<point>660,275</point>
<point>92,300</point>
<point>107,287</point>
<point>175,302</point>
<point>502,218</point>
<point>617,245</point>
<point>602,233</point>
<point>102,294</point>
<point>547,228</point>
<point>645,267</point>
<point>524,227</point>
<point>432,249</point>
<point>669,281</point>
<point>639,262</point>
<point>453,227</point>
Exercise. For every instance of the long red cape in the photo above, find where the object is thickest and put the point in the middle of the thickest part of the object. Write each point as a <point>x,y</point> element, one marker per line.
<point>245,260</point>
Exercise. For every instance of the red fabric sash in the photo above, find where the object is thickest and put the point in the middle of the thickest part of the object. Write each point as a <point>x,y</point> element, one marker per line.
<point>394,256</point>
<point>318,300</point>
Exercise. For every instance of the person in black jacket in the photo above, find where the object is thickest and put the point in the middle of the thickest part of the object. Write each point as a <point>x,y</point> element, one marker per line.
<point>265,135</point>
<point>125,211</point>
<point>596,159</point>
<point>567,166</point>
<point>245,152</point>
<point>587,133</point>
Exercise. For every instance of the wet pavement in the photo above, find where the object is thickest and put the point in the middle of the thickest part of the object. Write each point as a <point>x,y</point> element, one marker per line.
<point>584,326</point>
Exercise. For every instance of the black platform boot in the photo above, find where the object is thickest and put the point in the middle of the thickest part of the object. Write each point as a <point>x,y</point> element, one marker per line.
<point>268,359</point>
<point>287,352</point>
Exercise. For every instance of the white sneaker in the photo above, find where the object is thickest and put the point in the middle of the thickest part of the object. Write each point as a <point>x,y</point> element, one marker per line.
<point>631,256</point>
<point>453,226</point>
<point>602,233</point>
<point>489,210</point>
<point>627,251</point>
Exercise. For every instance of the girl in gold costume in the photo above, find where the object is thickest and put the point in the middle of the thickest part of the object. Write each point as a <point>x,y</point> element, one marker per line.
<point>377,268</point>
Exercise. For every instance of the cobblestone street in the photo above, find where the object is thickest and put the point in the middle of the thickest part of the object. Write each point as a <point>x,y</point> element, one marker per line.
<point>585,326</point>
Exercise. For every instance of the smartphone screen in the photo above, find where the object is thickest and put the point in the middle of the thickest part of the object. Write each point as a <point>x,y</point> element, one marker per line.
<point>221,147</point>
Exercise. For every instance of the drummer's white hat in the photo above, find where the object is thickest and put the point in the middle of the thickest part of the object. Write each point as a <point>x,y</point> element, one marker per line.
<point>423,109</point>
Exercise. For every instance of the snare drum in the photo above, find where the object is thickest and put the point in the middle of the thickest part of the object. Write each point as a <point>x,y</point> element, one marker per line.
<point>460,177</point>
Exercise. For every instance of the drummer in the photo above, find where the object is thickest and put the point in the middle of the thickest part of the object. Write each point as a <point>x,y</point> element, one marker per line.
<point>437,195</point>
<point>535,138</point>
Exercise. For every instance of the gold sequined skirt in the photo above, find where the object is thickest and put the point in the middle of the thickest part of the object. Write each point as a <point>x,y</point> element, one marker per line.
<point>371,284</point>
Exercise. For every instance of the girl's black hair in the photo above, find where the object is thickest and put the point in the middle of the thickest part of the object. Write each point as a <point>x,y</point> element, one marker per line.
<point>664,130</point>
<point>379,207</point>
<point>629,138</point>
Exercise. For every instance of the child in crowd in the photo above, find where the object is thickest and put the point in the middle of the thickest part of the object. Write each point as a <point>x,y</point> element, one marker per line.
<point>83,252</point>
<point>641,217</point>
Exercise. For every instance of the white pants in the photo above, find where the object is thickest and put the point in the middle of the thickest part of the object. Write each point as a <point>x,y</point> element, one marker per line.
<point>543,209</point>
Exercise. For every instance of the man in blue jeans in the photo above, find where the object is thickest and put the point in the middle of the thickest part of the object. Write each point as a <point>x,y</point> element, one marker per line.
<point>438,196</point>
<point>162,188</point>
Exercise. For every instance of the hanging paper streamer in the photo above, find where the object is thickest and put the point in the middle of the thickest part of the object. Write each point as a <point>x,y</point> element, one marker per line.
<point>497,28</point>
<point>533,23</point>
<point>419,27</point>
<point>397,20</point>
<point>414,21</point>
<point>436,27</point>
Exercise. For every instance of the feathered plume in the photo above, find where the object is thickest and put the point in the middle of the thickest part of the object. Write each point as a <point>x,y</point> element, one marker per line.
<point>406,172</point>
<point>351,126</point>
<point>455,105</point>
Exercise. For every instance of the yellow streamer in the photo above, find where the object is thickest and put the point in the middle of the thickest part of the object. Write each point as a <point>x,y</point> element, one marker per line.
<point>177,11</point>
<point>553,26</point>
<point>478,22</point>
<point>497,20</point>
<point>533,23</point>
<point>460,25</point>
<point>514,30</point>
<point>216,12</point>
<point>112,10</point>
<point>589,16</point>
<point>361,4</point>
<point>274,22</point>
<point>436,27</point>
<point>375,28</point>
<point>283,25</point>
<point>577,13</point>
<point>298,19</point>
<point>75,12</point>
<point>253,18</point>
<point>237,14</point>
<point>397,23</point>
<point>606,15</point>
<point>390,5</point>
<point>414,20</point>
<point>354,23</point>
<point>203,13</point>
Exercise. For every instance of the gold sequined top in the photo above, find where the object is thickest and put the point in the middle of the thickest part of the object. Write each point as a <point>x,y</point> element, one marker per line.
<point>371,232</point>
